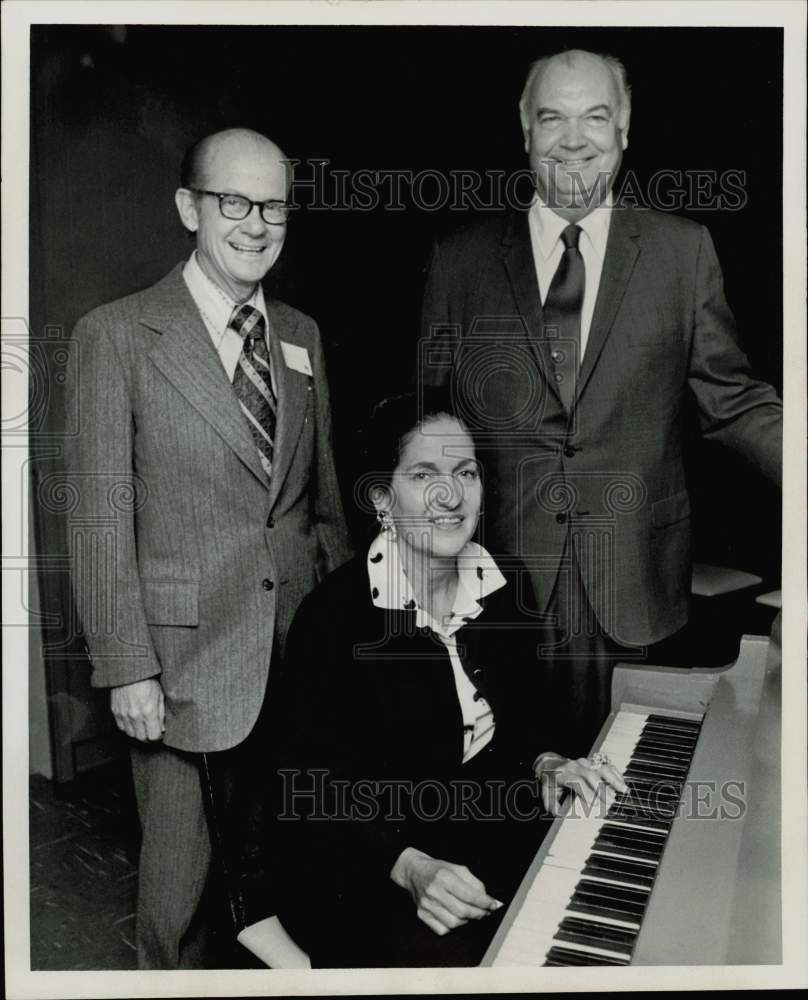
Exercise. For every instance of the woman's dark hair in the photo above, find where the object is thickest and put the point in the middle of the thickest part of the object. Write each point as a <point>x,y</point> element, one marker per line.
<point>391,423</point>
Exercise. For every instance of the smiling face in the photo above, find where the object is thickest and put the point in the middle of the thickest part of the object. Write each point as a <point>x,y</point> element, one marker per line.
<point>436,492</point>
<point>236,254</point>
<point>575,130</point>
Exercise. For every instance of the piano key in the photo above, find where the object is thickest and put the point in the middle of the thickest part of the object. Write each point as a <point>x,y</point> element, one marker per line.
<point>625,874</point>
<point>585,905</point>
<point>668,748</point>
<point>596,932</point>
<point>615,879</point>
<point>610,905</point>
<point>601,950</point>
<point>606,851</point>
<point>634,823</point>
<point>615,836</point>
<point>606,845</point>
<point>674,722</point>
<point>646,817</point>
<point>629,925</point>
<point>564,956</point>
<point>640,836</point>
<point>631,895</point>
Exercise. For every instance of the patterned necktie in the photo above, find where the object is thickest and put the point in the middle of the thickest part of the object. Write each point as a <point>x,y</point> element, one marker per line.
<point>562,310</point>
<point>253,382</point>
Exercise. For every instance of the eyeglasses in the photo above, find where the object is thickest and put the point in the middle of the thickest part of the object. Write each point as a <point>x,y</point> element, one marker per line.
<point>237,207</point>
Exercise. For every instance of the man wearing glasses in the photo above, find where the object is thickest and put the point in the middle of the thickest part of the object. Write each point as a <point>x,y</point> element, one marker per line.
<point>210,400</point>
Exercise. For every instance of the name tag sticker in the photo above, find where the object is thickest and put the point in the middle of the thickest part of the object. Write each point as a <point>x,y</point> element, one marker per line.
<point>296,358</point>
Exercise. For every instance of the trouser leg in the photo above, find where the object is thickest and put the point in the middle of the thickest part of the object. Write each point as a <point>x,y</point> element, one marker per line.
<point>174,857</point>
<point>581,660</point>
<point>237,789</point>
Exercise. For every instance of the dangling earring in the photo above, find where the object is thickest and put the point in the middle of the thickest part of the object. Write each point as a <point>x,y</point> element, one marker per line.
<point>386,522</point>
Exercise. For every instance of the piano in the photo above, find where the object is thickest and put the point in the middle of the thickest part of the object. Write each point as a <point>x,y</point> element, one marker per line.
<point>685,868</point>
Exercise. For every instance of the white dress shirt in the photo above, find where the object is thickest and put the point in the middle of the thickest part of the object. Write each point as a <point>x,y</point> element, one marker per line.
<point>478,576</point>
<point>545,239</point>
<point>216,308</point>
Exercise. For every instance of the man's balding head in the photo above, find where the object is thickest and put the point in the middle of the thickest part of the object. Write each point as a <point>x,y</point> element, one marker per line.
<point>234,253</point>
<point>228,143</point>
<point>575,111</point>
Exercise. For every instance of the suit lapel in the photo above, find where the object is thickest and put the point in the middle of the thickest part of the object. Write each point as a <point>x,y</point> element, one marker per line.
<point>622,251</point>
<point>186,356</point>
<point>293,389</point>
<point>517,255</point>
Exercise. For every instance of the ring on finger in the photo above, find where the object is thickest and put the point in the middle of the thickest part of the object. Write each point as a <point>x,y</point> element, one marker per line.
<point>598,759</point>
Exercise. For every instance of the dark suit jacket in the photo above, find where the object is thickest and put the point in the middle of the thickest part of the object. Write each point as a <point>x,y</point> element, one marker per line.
<point>188,562</point>
<point>612,469</point>
<point>368,698</point>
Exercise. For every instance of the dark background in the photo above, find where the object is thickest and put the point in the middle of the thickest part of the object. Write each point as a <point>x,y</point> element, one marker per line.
<point>113,109</point>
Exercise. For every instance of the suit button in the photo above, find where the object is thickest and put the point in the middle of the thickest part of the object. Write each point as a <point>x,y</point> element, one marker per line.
<point>569,451</point>
<point>559,377</point>
<point>267,584</point>
<point>270,523</point>
<point>557,356</point>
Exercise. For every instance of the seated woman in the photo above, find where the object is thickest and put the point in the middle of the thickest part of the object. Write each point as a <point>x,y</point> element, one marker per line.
<point>409,803</point>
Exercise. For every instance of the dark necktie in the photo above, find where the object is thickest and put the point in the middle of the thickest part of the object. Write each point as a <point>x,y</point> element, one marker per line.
<point>253,382</point>
<point>562,310</point>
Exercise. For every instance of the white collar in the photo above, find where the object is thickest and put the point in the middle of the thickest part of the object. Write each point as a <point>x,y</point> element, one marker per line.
<point>213,302</point>
<point>478,576</point>
<point>548,226</point>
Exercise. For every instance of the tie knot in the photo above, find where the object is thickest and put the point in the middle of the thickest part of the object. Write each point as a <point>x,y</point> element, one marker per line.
<point>247,322</point>
<point>570,237</point>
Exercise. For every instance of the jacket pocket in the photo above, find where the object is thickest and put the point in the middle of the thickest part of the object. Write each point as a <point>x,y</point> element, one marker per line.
<point>171,602</point>
<point>670,510</point>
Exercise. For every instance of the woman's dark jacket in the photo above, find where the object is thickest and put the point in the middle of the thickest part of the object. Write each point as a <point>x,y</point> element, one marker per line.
<point>372,726</point>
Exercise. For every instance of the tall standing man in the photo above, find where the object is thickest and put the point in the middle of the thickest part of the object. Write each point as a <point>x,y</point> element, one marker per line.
<point>210,400</point>
<point>575,334</point>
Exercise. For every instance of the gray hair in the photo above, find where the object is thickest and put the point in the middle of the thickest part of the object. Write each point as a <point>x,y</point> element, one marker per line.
<point>617,69</point>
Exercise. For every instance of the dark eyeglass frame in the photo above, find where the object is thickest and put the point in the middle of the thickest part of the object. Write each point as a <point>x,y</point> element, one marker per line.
<point>280,207</point>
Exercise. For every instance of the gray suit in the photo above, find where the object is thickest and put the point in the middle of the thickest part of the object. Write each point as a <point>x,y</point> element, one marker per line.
<point>211,558</point>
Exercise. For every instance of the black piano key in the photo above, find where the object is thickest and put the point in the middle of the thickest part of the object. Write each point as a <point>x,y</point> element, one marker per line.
<point>626,847</point>
<point>566,956</point>
<point>652,795</point>
<point>651,801</point>
<point>683,744</point>
<point>679,739</point>
<point>589,942</point>
<point>651,843</point>
<point>671,722</point>
<point>659,762</point>
<point>659,744</point>
<point>597,866</point>
<point>599,908</point>
<point>599,932</point>
<point>612,894</point>
<point>644,793</point>
<point>615,865</point>
<point>651,772</point>
<point>644,817</point>
<point>612,891</point>
<point>615,908</point>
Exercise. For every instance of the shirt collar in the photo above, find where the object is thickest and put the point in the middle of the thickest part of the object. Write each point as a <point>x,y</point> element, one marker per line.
<point>478,576</point>
<point>548,226</point>
<point>213,302</point>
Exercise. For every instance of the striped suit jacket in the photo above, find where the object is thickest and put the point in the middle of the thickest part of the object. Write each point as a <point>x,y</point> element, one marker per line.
<point>188,563</point>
